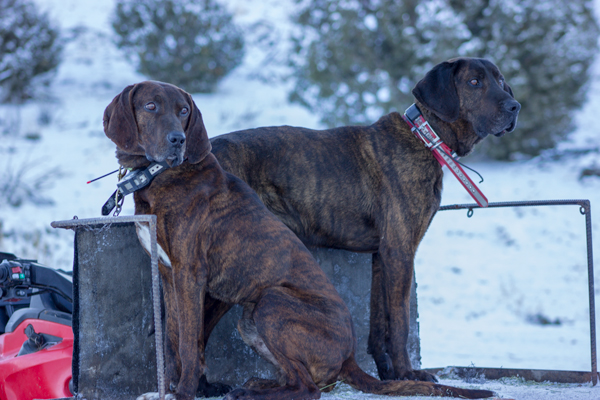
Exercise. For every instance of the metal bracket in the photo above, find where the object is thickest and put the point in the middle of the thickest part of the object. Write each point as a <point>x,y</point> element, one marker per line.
<point>585,209</point>
<point>151,220</point>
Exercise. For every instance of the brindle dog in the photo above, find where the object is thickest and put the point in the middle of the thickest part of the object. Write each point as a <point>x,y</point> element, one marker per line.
<point>374,188</point>
<point>221,242</point>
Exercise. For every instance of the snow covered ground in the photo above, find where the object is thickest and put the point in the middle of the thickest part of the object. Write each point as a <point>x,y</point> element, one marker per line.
<point>484,283</point>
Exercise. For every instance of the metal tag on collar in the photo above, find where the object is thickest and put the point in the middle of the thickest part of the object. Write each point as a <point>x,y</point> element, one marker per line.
<point>141,178</point>
<point>413,113</point>
<point>421,127</point>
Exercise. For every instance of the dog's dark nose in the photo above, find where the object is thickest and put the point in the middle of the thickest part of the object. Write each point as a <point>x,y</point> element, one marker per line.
<point>512,106</point>
<point>177,139</point>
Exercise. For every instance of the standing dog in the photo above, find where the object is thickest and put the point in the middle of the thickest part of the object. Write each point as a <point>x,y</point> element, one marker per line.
<point>374,188</point>
<point>220,243</point>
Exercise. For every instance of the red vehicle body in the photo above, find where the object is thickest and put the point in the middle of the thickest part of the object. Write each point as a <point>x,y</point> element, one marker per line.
<point>36,338</point>
<point>45,374</point>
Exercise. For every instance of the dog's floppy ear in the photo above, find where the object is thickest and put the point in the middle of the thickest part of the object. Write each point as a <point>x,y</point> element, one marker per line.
<point>119,120</point>
<point>438,92</point>
<point>197,145</point>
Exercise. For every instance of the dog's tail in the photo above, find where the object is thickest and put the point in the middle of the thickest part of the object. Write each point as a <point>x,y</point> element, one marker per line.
<point>358,379</point>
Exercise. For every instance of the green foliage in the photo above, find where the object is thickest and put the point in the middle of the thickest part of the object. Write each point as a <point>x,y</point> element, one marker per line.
<point>356,60</point>
<point>189,43</point>
<point>29,50</point>
<point>544,49</point>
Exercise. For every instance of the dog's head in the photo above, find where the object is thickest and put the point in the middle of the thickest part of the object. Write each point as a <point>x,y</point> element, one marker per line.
<point>472,91</point>
<point>159,121</point>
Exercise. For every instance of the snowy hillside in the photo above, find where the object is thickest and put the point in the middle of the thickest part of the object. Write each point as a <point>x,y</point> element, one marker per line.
<point>484,283</point>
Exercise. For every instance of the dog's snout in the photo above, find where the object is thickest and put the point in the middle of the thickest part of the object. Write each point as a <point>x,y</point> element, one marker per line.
<point>176,139</point>
<point>512,106</point>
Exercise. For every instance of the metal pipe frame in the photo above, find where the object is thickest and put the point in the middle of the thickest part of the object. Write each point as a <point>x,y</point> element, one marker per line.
<point>151,220</point>
<point>585,209</point>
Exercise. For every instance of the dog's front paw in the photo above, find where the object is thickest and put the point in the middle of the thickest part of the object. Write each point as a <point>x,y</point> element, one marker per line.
<point>417,375</point>
<point>155,396</point>
<point>384,367</point>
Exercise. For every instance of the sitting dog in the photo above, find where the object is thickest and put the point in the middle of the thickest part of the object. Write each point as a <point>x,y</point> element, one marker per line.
<point>220,245</point>
<point>374,188</point>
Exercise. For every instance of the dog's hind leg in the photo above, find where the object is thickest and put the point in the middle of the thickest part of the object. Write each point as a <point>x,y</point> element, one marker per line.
<point>308,335</point>
<point>250,336</point>
<point>296,332</point>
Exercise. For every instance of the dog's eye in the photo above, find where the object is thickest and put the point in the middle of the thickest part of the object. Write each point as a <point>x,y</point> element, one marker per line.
<point>501,83</point>
<point>184,111</point>
<point>474,82</point>
<point>150,106</point>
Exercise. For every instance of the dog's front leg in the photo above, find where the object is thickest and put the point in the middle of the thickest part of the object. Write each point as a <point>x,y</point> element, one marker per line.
<point>397,269</point>
<point>378,323</point>
<point>190,288</point>
<point>396,279</point>
<point>172,359</point>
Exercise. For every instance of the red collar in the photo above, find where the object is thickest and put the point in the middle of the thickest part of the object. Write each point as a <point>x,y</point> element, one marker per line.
<point>421,128</point>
